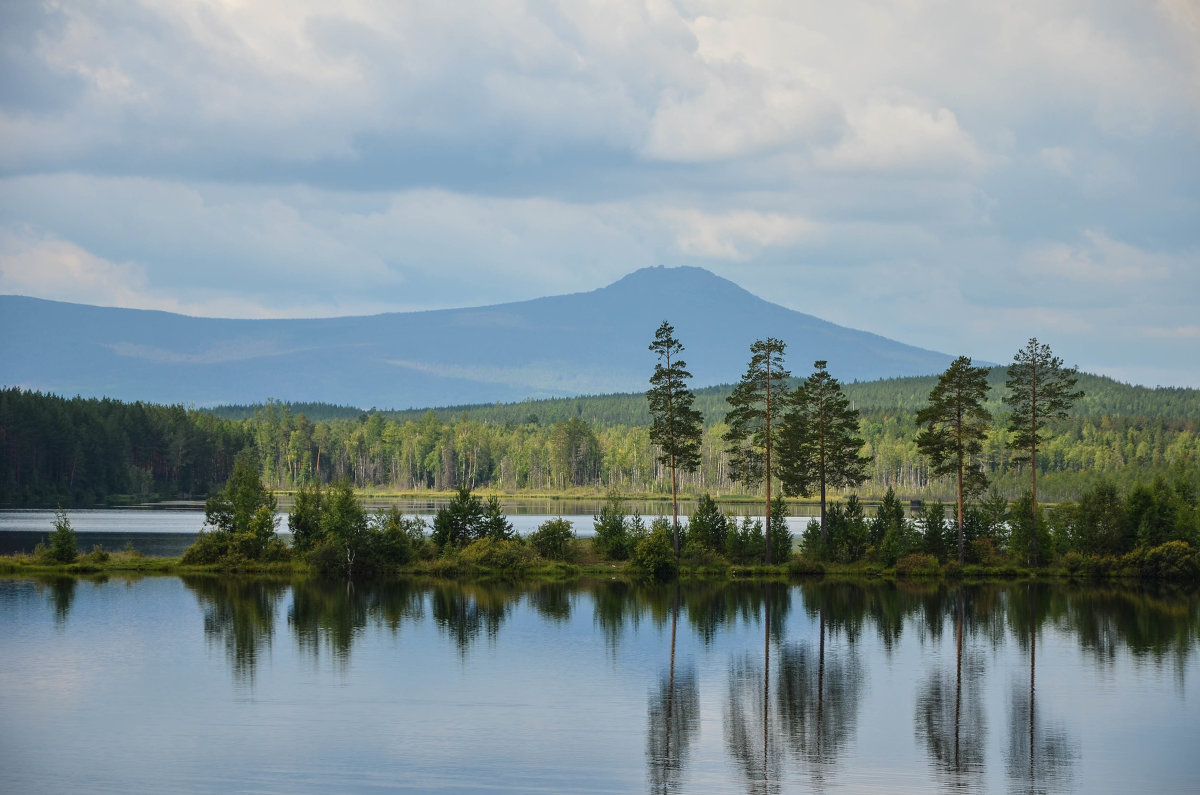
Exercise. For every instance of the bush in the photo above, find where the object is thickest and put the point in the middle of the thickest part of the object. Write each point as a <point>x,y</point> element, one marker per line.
<point>62,541</point>
<point>1173,560</point>
<point>501,555</point>
<point>800,566</point>
<point>554,539</point>
<point>612,539</point>
<point>655,552</point>
<point>97,555</point>
<point>744,543</point>
<point>210,547</point>
<point>918,564</point>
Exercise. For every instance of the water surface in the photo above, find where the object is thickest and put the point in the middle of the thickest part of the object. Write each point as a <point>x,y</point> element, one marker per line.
<point>235,684</point>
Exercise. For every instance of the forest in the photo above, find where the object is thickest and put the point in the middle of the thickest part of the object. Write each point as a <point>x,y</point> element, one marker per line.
<point>75,451</point>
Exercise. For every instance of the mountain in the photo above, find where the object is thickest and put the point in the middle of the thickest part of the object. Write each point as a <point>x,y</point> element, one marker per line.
<point>584,343</point>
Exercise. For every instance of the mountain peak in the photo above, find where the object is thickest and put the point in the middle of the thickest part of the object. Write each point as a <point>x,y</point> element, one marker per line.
<point>585,343</point>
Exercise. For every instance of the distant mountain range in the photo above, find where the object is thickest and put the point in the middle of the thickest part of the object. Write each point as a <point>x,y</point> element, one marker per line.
<point>584,343</point>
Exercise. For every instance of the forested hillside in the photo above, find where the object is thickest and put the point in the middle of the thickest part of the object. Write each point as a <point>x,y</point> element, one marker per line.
<point>81,451</point>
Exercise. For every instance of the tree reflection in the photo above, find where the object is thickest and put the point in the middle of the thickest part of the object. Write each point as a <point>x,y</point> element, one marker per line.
<point>552,601</point>
<point>950,715</point>
<point>1038,756</point>
<point>62,596</point>
<point>239,613</point>
<point>672,718</point>
<point>748,729</point>
<point>616,607</point>
<point>467,612</point>
<point>820,688</point>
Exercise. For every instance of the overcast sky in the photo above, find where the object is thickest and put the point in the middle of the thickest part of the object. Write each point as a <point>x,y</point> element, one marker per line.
<point>957,175</point>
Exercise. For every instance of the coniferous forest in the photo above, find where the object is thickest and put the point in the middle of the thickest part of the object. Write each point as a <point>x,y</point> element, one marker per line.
<point>75,451</point>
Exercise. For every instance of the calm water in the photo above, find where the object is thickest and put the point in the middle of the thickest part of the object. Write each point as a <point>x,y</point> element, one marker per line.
<point>167,532</point>
<point>249,685</point>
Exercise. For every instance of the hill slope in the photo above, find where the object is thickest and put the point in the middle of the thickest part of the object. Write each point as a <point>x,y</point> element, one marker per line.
<point>584,343</point>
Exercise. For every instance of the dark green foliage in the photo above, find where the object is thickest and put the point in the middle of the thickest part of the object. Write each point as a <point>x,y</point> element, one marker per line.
<point>1023,544</point>
<point>675,428</point>
<point>1159,513</point>
<point>62,547</point>
<point>505,556</point>
<point>612,540</point>
<point>350,543</point>
<point>781,536</point>
<point>466,519</point>
<point>554,539</point>
<point>395,539</point>
<point>819,443</point>
<point>917,564</point>
<point>73,452</point>
<point>848,533</point>
<point>935,531</point>
<point>888,518</point>
<point>305,518</point>
<point>955,425</point>
<point>654,552</point>
<point>1173,560</point>
<point>756,408</point>
<point>495,523</point>
<point>233,509</point>
<point>241,521</point>
<point>707,525</point>
<point>1040,391</point>
<point>744,542</point>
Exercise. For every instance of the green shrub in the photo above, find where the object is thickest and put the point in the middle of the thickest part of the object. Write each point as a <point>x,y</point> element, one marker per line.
<point>917,564</point>
<point>655,553</point>
<point>501,555</point>
<point>97,555</point>
<point>1073,563</point>
<point>209,548</point>
<point>801,566</point>
<point>1173,560</point>
<point>62,541</point>
<point>554,539</point>
<point>612,540</point>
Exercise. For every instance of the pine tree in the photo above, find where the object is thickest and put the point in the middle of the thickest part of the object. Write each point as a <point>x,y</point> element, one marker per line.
<point>819,442</point>
<point>956,424</point>
<point>676,426</point>
<point>1040,390</point>
<point>757,404</point>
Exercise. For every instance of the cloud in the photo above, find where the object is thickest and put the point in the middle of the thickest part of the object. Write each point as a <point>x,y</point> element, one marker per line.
<point>940,173</point>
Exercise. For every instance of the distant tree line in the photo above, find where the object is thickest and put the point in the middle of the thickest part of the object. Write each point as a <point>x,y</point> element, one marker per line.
<point>60,451</point>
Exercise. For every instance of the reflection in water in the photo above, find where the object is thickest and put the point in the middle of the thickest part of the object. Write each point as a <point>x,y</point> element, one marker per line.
<point>62,594</point>
<point>950,716</point>
<point>721,710</point>
<point>820,689</point>
<point>672,719</point>
<point>748,715</point>
<point>331,614</point>
<point>239,613</point>
<point>552,601</point>
<point>466,612</point>
<point>1038,757</point>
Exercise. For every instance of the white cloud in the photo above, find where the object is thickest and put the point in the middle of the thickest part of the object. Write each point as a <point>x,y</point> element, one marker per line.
<point>736,235</point>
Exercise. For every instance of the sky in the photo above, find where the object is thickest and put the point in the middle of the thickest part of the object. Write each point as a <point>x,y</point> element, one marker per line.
<point>952,174</point>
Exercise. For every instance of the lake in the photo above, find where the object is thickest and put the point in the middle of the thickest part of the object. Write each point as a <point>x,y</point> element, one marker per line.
<point>238,684</point>
<point>168,531</point>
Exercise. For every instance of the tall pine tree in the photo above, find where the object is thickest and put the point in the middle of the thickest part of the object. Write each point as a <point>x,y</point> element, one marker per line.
<point>955,425</point>
<point>676,426</point>
<point>1039,391</point>
<point>820,444</point>
<point>756,408</point>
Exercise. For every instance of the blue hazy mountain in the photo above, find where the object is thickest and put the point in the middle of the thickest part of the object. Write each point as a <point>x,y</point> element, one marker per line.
<point>584,343</point>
